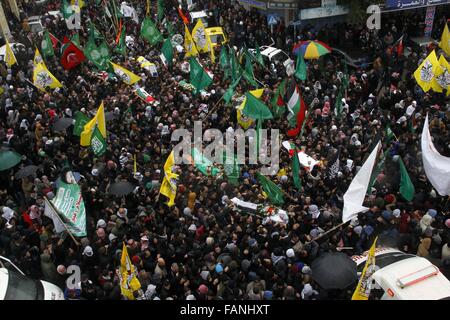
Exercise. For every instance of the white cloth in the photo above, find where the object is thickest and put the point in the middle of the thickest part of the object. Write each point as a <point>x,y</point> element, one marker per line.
<point>437,167</point>
<point>243,204</point>
<point>354,197</point>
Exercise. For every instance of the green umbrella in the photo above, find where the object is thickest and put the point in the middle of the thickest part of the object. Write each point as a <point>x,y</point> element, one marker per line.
<point>9,159</point>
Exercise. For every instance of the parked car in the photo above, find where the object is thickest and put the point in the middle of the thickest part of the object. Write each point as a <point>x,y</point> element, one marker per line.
<point>402,276</point>
<point>14,285</point>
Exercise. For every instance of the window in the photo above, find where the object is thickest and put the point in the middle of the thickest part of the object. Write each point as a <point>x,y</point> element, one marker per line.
<point>23,288</point>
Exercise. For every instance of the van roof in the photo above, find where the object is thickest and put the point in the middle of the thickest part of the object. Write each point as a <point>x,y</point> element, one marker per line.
<point>434,287</point>
<point>4,278</point>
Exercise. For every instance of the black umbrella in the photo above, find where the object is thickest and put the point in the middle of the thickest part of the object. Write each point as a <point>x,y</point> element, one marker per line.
<point>121,188</point>
<point>26,172</point>
<point>62,124</point>
<point>334,271</point>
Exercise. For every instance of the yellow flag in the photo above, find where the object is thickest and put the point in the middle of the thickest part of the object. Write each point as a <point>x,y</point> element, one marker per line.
<point>99,121</point>
<point>362,291</point>
<point>200,38</point>
<point>442,79</point>
<point>80,3</point>
<point>37,57</point>
<point>244,121</point>
<point>169,184</point>
<point>127,273</point>
<point>10,58</point>
<point>42,78</point>
<point>125,75</point>
<point>189,45</point>
<point>427,71</point>
<point>445,40</point>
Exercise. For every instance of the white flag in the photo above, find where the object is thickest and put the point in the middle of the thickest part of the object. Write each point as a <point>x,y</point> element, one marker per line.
<point>51,213</point>
<point>437,167</point>
<point>354,197</point>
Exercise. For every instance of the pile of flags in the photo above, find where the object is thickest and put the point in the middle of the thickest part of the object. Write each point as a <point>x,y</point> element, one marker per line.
<point>433,73</point>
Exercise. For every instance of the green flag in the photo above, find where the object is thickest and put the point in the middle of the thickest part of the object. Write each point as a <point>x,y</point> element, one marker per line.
<point>277,103</point>
<point>232,170</point>
<point>248,72</point>
<point>296,171</point>
<point>170,29</point>
<point>338,105</point>
<point>258,55</point>
<point>76,39</point>
<point>47,45</point>
<point>160,8</point>
<point>230,91</point>
<point>149,32</point>
<point>203,164</point>
<point>377,170</point>
<point>224,58</point>
<point>122,46</point>
<point>98,142</point>
<point>80,120</point>
<point>199,78</point>
<point>300,69</point>
<point>236,69</point>
<point>94,33</point>
<point>66,10</point>
<point>406,186</point>
<point>388,133</point>
<point>274,193</point>
<point>345,80</point>
<point>255,109</point>
<point>70,205</point>
<point>167,52</point>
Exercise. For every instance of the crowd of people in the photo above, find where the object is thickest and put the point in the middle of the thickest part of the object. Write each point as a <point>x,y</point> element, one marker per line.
<point>202,247</point>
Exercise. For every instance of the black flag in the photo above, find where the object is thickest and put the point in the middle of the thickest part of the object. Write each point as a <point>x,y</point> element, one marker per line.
<point>334,165</point>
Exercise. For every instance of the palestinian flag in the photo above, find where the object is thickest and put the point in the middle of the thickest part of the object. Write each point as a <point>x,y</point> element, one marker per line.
<point>296,107</point>
<point>141,93</point>
<point>71,55</point>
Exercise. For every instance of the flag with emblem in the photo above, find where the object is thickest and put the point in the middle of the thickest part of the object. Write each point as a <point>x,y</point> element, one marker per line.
<point>362,291</point>
<point>167,53</point>
<point>47,45</point>
<point>71,55</point>
<point>442,80</point>
<point>334,165</point>
<point>80,121</point>
<point>426,72</point>
<point>169,185</point>
<point>199,78</point>
<point>129,282</point>
<point>200,38</point>
<point>43,78</point>
<point>150,32</point>
<point>10,58</point>
<point>98,142</point>
<point>274,192</point>
<point>189,44</point>
<point>125,75</point>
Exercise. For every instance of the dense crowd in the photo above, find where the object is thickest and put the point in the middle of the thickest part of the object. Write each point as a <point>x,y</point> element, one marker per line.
<point>202,247</point>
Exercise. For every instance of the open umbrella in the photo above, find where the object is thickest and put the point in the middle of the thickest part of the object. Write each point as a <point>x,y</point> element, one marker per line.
<point>311,49</point>
<point>121,188</point>
<point>62,124</point>
<point>9,159</point>
<point>334,271</point>
<point>26,172</point>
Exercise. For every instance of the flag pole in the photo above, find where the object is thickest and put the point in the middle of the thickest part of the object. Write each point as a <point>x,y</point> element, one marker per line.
<point>329,231</point>
<point>65,226</point>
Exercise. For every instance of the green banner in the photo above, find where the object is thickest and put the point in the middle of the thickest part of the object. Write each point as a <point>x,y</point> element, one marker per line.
<point>70,205</point>
<point>98,142</point>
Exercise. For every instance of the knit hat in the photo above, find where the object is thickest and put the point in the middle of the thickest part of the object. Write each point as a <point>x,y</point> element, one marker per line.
<point>190,297</point>
<point>203,289</point>
<point>396,213</point>
<point>432,213</point>
<point>306,270</point>
<point>88,251</point>
<point>219,268</point>
<point>101,224</point>
<point>290,253</point>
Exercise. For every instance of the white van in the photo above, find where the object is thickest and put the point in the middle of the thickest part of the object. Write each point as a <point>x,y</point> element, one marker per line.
<point>14,285</point>
<point>402,276</point>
